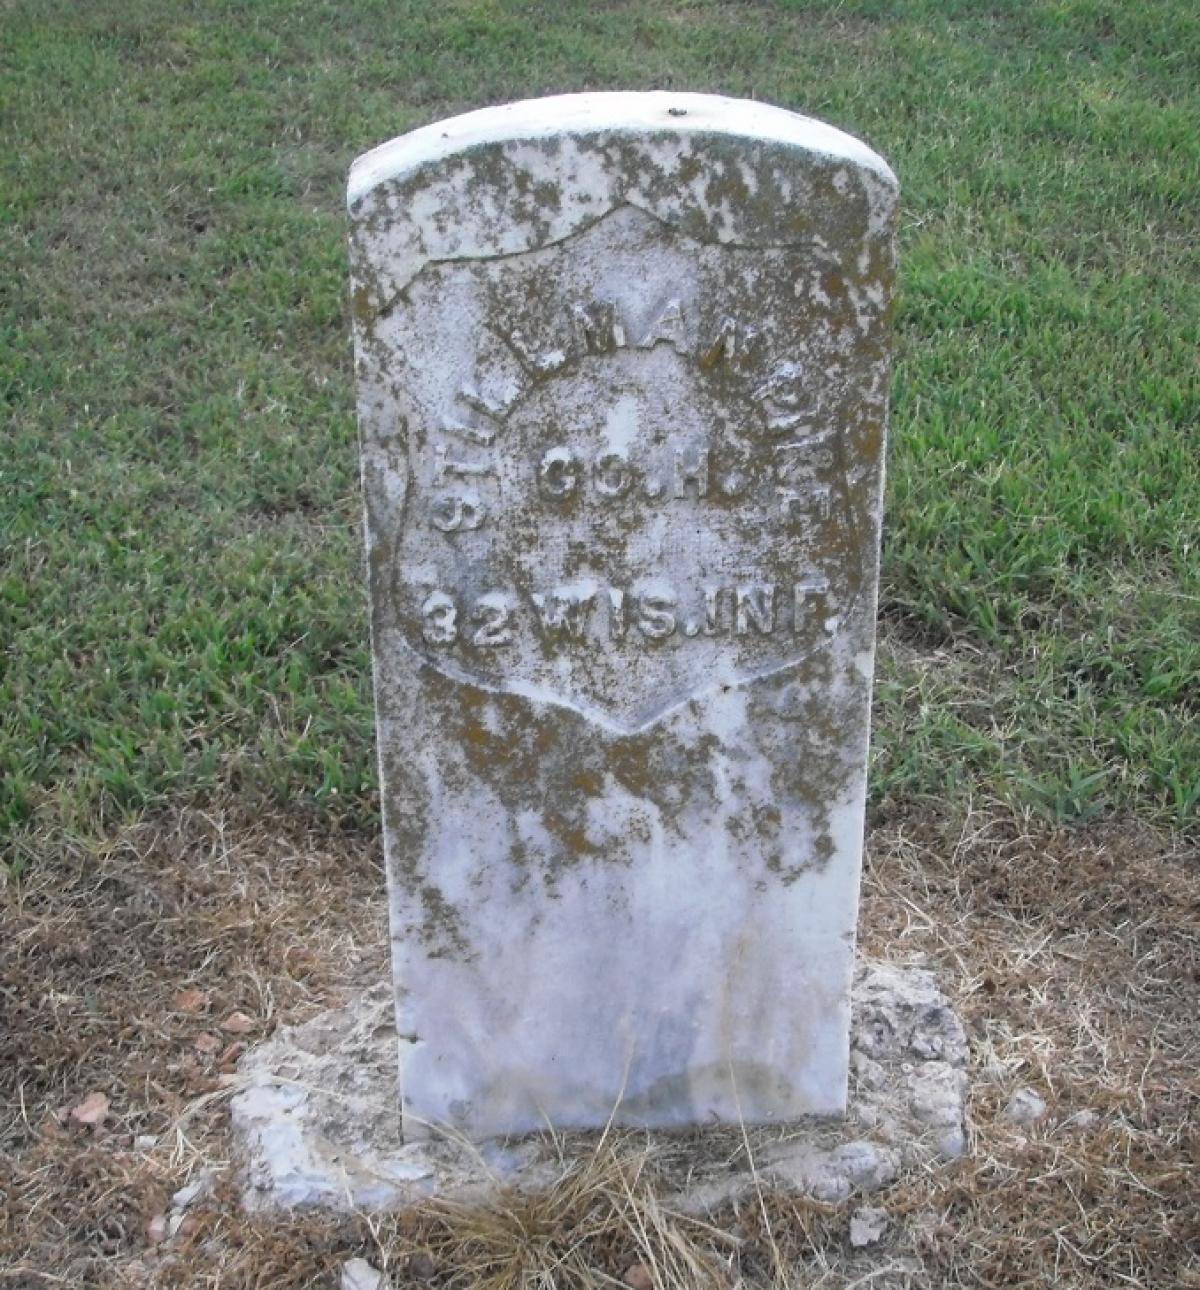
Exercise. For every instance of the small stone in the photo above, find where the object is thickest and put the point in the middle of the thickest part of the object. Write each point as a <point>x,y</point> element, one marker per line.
<point>156,1229</point>
<point>421,1267</point>
<point>358,1274</point>
<point>206,1043</point>
<point>902,1015</point>
<point>92,1111</point>
<point>228,1059</point>
<point>506,1159</point>
<point>145,1142</point>
<point>951,1143</point>
<point>867,1165</point>
<point>197,1189</point>
<point>191,1000</point>
<point>704,1197</point>
<point>638,1277</point>
<point>868,1072</point>
<point>867,1226</point>
<point>1025,1107</point>
<point>237,1023</point>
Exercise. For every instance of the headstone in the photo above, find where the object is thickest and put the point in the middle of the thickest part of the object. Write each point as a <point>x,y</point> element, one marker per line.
<point>623,375</point>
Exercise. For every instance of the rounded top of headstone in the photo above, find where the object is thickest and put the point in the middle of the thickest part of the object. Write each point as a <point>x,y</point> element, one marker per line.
<point>652,112</point>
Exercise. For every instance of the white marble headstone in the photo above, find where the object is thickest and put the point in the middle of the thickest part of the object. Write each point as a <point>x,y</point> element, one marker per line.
<point>623,375</point>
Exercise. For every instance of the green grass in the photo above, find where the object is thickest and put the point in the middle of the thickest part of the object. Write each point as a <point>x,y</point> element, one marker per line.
<point>181,600</point>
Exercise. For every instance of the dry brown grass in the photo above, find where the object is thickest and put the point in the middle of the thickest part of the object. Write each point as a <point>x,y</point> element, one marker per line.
<point>99,943</point>
<point>605,1212</point>
<point>1074,958</point>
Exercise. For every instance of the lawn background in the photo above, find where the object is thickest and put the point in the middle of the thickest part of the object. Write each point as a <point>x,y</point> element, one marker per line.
<point>181,602</point>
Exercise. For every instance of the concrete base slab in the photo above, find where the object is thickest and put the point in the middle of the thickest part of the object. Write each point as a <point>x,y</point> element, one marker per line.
<point>317,1116</point>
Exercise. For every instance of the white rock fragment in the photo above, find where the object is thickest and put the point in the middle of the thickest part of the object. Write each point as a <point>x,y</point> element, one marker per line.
<point>199,1187</point>
<point>868,1226</point>
<point>1024,1108</point>
<point>358,1274</point>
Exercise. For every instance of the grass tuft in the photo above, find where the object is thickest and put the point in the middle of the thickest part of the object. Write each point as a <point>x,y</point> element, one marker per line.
<point>603,1211</point>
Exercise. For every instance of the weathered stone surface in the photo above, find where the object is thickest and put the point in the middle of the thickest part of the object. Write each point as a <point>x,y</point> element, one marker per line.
<point>317,1123</point>
<point>832,1173</point>
<point>317,1113</point>
<point>901,1015</point>
<point>908,1056</point>
<point>622,366</point>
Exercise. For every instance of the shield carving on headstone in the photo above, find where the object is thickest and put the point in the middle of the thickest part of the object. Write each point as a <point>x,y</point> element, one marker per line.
<point>628,479</point>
